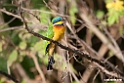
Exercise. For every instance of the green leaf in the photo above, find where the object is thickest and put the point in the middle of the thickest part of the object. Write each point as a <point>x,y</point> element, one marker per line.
<point>23,45</point>
<point>38,46</point>
<point>99,14</point>
<point>113,18</point>
<point>13,57</point>
<point>3,64</point>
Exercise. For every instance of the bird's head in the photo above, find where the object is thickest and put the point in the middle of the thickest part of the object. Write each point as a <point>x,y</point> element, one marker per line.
<point>58,21</point>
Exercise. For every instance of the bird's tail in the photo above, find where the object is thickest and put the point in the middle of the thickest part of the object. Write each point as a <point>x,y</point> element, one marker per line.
<point>50,63</point>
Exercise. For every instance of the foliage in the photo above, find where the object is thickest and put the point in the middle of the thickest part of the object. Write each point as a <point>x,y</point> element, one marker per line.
<point>17,46</point>
<point>1,81</point>
<point>115,11</point>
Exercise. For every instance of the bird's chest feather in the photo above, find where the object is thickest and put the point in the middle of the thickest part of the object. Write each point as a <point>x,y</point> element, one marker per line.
<point>58,33</point>
<point>59,29</point>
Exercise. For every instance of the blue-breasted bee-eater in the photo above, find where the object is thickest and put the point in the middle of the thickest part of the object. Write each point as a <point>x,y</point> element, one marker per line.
<point>58,30</point>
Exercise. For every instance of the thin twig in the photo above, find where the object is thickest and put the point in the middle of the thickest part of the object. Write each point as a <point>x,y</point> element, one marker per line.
<point>10,28</point>
<point>96,75</point>
<point>113,40</point>
<point>34,15</point>
<point>11,14</point>
<point>38,67</point>
<point>9,76</point>
<point>46,4</point>
<point>8,22</point>
<point>72,73</point>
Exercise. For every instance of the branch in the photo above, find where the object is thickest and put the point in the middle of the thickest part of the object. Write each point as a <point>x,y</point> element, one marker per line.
<point>37,66</point>
<point>10,28</point>
<point>11,14</point>
<point>95,54</point>
<point>9,76</point>
<point>102,63</point>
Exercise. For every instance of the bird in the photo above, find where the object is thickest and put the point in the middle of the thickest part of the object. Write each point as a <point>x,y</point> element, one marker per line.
<point>58,28</point>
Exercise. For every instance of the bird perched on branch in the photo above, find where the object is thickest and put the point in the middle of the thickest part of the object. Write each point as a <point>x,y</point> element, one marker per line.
<point>57,33</point>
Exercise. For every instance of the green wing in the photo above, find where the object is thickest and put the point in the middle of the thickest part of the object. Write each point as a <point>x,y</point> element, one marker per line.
<point>49,34</point>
